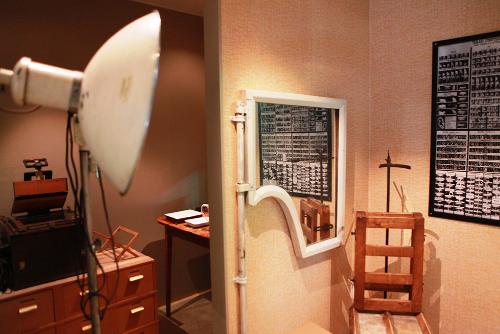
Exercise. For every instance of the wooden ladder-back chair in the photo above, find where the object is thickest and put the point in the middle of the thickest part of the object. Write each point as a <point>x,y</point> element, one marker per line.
<point>379,315</point>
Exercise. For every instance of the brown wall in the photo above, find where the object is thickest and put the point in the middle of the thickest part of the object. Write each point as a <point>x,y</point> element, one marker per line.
<point>308,47</point>
<point>461,286</point>
<point>171,173</point>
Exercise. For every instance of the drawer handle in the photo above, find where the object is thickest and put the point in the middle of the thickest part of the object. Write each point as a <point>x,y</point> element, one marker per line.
<point>86,292</point>
<point>135,278</point>
<point>86,328</point>
<point>28,309</point>
<point>137,310</point>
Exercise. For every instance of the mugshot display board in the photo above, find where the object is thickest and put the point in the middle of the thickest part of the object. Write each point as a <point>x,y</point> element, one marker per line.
<point>465,153</point>
<point>296,149</point>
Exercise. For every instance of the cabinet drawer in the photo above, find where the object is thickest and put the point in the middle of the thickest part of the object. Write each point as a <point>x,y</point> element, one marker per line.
<point>51,330</point>
<point>148,329</point>
<point>68,299</point>
<point>83,326</point>
<point>27,313</point>
<point>133,281</point>
<point>134,314</point>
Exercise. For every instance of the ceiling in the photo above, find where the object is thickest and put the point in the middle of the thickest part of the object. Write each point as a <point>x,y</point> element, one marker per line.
<point>194,7</point>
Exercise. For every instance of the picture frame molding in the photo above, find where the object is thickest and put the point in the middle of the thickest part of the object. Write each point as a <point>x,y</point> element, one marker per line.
<point>434,128</point>
<point>258,193</point>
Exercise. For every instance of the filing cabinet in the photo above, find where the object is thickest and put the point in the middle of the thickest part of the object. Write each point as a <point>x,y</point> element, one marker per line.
<point>54,307</point>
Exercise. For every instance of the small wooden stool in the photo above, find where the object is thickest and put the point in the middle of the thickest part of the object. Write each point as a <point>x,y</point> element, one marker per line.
<point>378,315</point>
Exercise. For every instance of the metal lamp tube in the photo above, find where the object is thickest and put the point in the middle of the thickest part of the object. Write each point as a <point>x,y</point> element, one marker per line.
<point>39,84</point>
<point>5,77</point>
<point>91,261</point>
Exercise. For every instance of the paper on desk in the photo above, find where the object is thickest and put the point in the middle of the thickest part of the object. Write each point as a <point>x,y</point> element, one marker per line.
<point>198,222</point>
<point>184,214</point>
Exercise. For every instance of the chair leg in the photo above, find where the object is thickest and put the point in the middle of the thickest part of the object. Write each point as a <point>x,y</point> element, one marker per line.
<point>389,328</point>
<point>423,324</point>
<point>353,321</point>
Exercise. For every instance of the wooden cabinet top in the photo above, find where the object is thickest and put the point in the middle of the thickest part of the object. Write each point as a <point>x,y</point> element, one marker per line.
<point>107,262</point>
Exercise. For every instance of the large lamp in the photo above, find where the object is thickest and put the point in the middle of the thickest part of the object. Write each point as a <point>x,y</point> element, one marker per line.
<point>112,98</point>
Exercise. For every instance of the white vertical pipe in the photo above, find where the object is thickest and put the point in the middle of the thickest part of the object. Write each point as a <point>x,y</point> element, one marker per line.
<point>241,280</point>
<point>242,272</point>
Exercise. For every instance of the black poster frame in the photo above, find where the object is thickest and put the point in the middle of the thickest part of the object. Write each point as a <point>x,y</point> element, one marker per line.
<point>434,126</point>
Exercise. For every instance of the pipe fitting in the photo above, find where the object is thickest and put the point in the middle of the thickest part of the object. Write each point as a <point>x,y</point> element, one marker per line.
<point>240,280</point>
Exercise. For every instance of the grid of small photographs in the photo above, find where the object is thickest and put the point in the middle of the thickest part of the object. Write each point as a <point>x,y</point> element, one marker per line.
<point>295,149</point>
<point>466,129</point>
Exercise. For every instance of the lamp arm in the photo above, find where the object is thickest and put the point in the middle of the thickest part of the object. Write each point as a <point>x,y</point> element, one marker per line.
<point>39,84</point>
<point>5,77</point>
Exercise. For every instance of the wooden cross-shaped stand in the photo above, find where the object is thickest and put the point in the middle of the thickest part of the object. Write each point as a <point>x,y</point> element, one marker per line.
<point>389,165</point>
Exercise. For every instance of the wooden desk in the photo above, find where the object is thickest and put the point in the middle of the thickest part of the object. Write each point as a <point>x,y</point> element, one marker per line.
<point>200,236</point>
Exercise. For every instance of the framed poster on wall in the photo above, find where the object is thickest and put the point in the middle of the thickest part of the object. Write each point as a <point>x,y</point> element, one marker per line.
<point>465,142</point>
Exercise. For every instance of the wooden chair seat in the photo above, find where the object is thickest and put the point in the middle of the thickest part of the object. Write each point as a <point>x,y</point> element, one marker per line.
<point>387,322</point>
<point>379,315</point>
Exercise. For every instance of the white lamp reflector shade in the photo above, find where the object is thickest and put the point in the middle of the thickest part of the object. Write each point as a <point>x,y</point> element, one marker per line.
<point>117,97</point>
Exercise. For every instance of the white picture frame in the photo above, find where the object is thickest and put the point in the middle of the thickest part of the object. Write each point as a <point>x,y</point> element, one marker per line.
<point>257,193</point>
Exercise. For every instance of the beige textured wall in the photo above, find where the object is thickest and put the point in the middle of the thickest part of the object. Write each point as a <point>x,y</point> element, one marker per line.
<point>308,47</point>
<point>67,34</point>
<point>461,286</point>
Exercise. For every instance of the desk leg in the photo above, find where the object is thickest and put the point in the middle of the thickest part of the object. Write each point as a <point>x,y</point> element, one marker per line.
<point>168,273</point>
